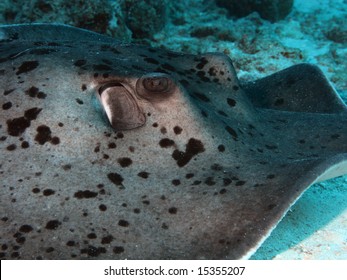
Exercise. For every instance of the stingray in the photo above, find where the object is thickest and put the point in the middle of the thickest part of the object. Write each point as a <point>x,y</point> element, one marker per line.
<point>122,151</point>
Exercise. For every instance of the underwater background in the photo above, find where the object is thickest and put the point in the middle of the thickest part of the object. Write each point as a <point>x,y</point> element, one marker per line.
<point>261,37</point>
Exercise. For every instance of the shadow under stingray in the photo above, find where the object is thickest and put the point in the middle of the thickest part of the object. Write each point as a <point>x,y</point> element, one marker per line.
<point>318,207</point>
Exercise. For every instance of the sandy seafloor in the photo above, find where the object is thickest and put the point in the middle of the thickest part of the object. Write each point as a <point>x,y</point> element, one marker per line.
<point>315,32</point>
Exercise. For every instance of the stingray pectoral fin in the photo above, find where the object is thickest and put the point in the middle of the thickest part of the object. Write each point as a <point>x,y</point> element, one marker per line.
<point>300,88</point>
<point>121,109</point>
<point>336,170</point>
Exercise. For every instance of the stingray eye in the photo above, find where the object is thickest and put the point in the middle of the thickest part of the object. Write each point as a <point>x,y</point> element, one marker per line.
<point>156,85</point>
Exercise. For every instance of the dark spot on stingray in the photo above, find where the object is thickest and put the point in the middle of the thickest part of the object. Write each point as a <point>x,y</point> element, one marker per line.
<point>7,92</point>
<point>216,167</point>
<point>212,71</point>
<point>35,190</point>
<point>79,101</point>
<point>83,87</point>
<point>271,147</point>
<point>55,140</point>
<point>43,134</point>
<point>232,132</point>
<point>204,114</point>
<point>3,138</point>
<point>107,61</point>
<point>105,75</point>
<point>184,83</point>
<point>164,226</point>
<point>271,206</point>
<point>97,149</point>
<point>221,148</point>
<point>102,67</point>
<point>107,239</point>
<point>125,161</point>
<point>166,142</point>
<point>85,194</point>
<point>80,62</point>
<point>92,235</point>
<point>112,145</point>
<point>209,181</point>
<point>70,243</point>
<point>163,130</point>
<point>25,228</point>
<point>50,250</point>
<point>335,136</point>
<point>17,126</point>
<point>6,105</point>
<point>60,124</point>
<point>231,102</point>
<point>302,141</point>
<point>201,96</point>
<point>11,147</point>
<point>189,175</point>
<point>96,75</point>
<point>66,167</point>
<point>176,182</point>
<point>172,210</point>
<point>137,211</point>
<point>27,66</point>
<point>146,202</point>
<point>25,145</point>
<point>270,176</point>
<point>168,67</point>
<point>102,207</point>
<point>118,250</point>
<point>53,224</point>
<point>143,174</point>
<point>222,191</point>
<point>235,88</point>
<point>155,124</point>
<point>115,178</point>
<point>222,113</point>
<point>240,183</point>
<point>202,63</point>
<point>93,251</point>
<point>151,60</point>
<point>193,147</point>
<point>279,102</point>
<point>177,129</point>
<point>120,135</point>
<point>123,223</point>
<point>35,92</point>
<point>48,192</point>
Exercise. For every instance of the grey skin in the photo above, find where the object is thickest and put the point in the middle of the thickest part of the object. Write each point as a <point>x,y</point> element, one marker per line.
<point>114,151</point>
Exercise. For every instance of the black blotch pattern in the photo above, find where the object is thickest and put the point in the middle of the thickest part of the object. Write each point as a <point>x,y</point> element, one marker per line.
<point>270,176</point>
<point>26,228</point>
<point>231,102</point>
<point>143,174</point>
<point>102,207</point>
<point>115,178</point>
<point>177,130</point>
<point>11,147</point>
<point>240,183</point>
<point>173,210</point>
<point>125,161</point>
<point>112,145</point>
<point>151,60</point>
<point>107,239</point>
<point>27,66</point>
<point>202,63</point>
<point>123,223</point>
<point>80,62</point>
<point>6,105</point>
<point>201,96</point>
<point>193,148</point>
<point>53,224</point>
<point>118,250</point>
<point>93,251</point>
<point>79,101</point>
<point>176,182</point>
<point>85,194</point>
<point>17,126</point>
<point>232,132</point>
<point>92,235</point>
<point>44,134</point>
<point>209,181</point>
<point>221,148</point>
<point>48,192</point>
<point>236,88</point>
<point>279,102</point>
<point>166,142</point>
<point>7,92</point>
<point>83,87</point>
<point>35,92</point>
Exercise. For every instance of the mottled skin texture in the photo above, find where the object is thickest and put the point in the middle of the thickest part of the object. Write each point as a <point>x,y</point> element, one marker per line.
<point>204,170</point>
